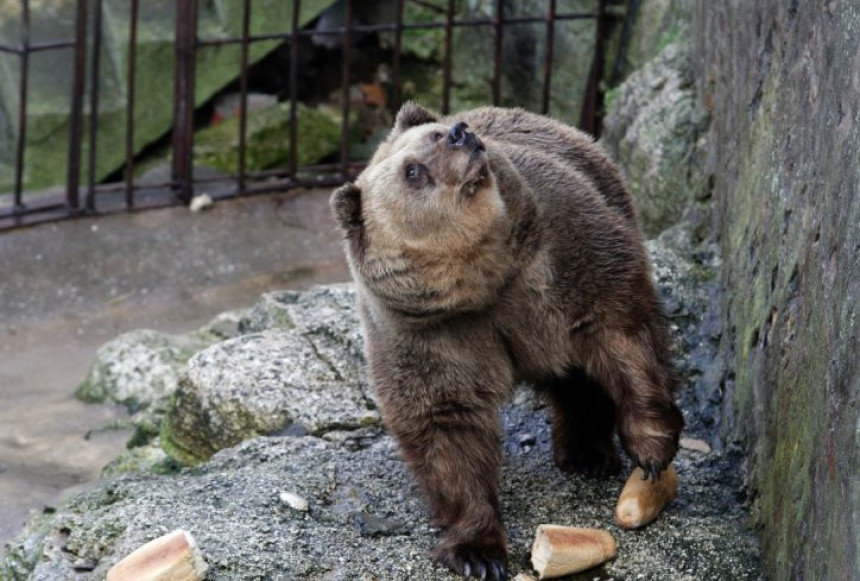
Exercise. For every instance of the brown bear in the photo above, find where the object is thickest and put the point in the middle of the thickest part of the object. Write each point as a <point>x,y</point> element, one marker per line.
<point>492,247</point>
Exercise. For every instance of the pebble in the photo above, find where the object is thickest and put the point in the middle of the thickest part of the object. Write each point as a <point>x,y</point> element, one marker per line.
<point>695,445</point>
<point>294,501</point>
<point>201,202</point>
<point>370,525</point>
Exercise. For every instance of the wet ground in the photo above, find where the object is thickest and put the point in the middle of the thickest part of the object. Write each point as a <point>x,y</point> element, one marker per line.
<point>67,288</point>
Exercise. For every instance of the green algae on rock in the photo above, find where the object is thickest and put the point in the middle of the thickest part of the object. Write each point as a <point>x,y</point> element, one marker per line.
<point>267,139</point>
<point>655,130</point>
<point>141,368</point>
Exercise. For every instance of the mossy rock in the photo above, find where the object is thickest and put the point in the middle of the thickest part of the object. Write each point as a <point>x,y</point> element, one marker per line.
<point>267,139</point>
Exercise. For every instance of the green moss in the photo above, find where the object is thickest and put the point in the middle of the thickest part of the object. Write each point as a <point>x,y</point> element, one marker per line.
<point>181,454</point>
<point>267,139</point>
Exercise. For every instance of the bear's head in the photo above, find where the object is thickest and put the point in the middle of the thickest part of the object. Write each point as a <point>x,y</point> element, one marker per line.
<point>427,224</point>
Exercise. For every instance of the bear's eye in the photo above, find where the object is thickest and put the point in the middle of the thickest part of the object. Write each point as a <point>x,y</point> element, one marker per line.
<point>436,136</point>
<point>416,174</point>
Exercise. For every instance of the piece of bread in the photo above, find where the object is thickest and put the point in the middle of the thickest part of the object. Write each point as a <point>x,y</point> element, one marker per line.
<point>642,500</point>
<point>172,557</point>
<point>560,550</point>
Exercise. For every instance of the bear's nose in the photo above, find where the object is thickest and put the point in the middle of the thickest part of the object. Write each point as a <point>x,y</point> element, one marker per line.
<point>458,137</point>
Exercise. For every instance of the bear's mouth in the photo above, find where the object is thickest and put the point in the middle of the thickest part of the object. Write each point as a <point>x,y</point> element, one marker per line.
<point>476,174</point>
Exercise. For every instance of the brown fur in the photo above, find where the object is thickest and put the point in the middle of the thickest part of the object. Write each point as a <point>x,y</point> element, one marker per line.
<point>523,262</point>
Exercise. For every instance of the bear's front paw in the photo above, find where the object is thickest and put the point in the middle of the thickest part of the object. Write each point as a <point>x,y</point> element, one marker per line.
<point>650,436</point>
<point>482,562</point>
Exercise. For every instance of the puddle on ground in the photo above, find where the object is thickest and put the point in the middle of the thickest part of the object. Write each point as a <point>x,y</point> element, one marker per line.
<point>75,285</point>
<point>45,451</point>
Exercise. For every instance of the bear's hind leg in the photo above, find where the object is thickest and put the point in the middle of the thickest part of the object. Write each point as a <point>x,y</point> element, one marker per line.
<point>583,425</point>
<point>636,369</point>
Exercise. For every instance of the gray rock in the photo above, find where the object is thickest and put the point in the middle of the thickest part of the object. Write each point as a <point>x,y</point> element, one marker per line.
<point>656,25</point>
<point>260,383</point>
<point>654,129</point>
<point>140,369</point>
<point>218,146</point>
<point>365,518</point>
<point>305,370</point>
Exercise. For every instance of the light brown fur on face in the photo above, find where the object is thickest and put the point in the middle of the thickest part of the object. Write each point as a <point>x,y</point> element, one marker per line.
<point>504,251</point>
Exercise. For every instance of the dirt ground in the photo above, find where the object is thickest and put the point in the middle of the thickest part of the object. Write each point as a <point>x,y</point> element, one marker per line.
<point>67,288</point>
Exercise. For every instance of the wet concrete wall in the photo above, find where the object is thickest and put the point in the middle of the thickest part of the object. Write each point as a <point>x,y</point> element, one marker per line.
<point>781,80</point>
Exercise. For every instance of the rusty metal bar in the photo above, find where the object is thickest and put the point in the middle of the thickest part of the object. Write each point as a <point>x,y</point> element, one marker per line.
<point>77,108</point>
<point>498,23</point>
<point>324,174</point>
<point>623,40</point>
<point>129,105</point>
<point>294,86</point>
<point>243,94</point>
<point>447,58</point>
<point>547,56</point>
<point>589,119</point>
<point>183,106</point>
<point>398,44</point>
<point>37,46</point>
<point>89,202</point>
<point>392,27</point>
<point>345,74</point>
<point>22,104</point>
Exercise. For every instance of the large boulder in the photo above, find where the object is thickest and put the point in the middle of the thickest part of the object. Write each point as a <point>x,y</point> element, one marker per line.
<point>365,519</point>
<point>140,369</point>
<point>654,128</point>
<point>305,370</point>
<point>266,140</point>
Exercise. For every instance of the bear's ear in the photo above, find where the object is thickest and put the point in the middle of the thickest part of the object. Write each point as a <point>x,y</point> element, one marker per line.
<point>412,114</point>
<point>346,206</point>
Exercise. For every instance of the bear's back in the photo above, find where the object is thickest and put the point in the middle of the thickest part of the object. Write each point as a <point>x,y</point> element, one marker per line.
<point>528,131</point>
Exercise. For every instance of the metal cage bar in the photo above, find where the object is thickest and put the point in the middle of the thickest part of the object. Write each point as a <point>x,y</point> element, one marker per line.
<point>294,88</point>
<point>548,54</point>
<point>183,104</point>
<point>95,70</point>
<point>345,96</point>
<point>24,63</point>
<point>498,30</point>
<point>243,95</point>
<point>134,11</point>
<point>187,44</point>
<point>77,109</point>
<point>447,58</point>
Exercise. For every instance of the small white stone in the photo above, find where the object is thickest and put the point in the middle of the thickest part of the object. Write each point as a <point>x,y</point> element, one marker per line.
<point>201,202</point>
<point>294,501</point>
<point>695,445</point>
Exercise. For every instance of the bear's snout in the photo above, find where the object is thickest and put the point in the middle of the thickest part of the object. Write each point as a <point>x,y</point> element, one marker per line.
<point>459,138</point>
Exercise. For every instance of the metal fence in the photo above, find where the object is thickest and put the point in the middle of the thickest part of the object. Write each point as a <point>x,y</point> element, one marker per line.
<point>77,198</point>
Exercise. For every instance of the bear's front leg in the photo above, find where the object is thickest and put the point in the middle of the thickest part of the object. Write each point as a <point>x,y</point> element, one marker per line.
<point>439,391</point>
<point>455,455</point>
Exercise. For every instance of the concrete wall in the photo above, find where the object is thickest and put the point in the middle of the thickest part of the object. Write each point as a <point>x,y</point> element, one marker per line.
<point>781,81</point>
